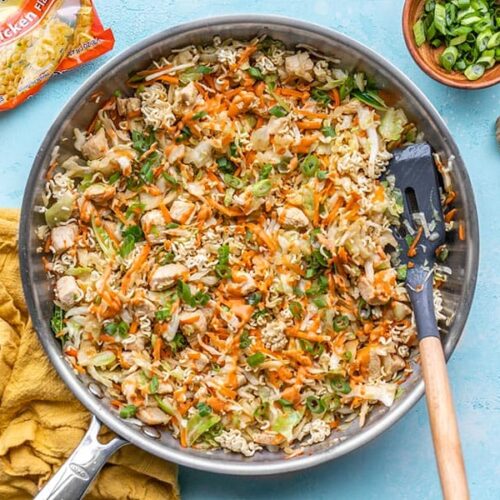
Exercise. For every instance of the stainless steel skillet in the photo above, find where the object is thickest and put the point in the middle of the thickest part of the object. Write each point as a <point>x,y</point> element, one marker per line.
<point>458,291</point>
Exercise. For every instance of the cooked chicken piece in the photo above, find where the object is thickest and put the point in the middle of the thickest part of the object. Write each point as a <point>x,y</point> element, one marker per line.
<point>400,310</point>
<point>293,218</point>
<point>185,97</point>
<point>200,155</point>
<point>193,322</point>
<point>153,416</point>
<point>143,307</point>
<point>128,107</point>
<point>393,364</point>
<point>153,225</point>
<point>165,388</point>
<point>369,362</point>
<point>300,65</point>
<point>379,291</point>
<point>176,154</point>
<point>131,388</point>
<point>100,193</point>
<point>96,147</point>
<point>63,237</point>
<point>165,276</point>
<point>241,284</point>
<point>68,292</point>
<point>267,438</point>
<point>181,211</point>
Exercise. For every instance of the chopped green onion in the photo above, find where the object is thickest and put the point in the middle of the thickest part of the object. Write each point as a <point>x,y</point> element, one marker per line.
<point>255,359</point>
<point>285,403</point>
<point>200,115</point>
<point>309,165</point>
<point>165,407</point>
<point>114,177</point>
<point>340,323</point>
<point>245,340</point>
<point>163,314</point>
<point>328,131</point>
<point>320,302</point>
<point>222,267</point>
<point>474,72</point>
<point>233,181</point>
<point>340,384</point>
<point>440,18</point>
<point>254,298</point>
<point>57,320</point>
<point>448,58</point>
<point>178,343</point>
<point>364,310</point>
<point>419,32</point>
<point>296,309</point>
<point>154,385</point>
<point>401,273</point>
<point>226,166</point>
<point>442,253</point>
<point>255,73</point>
<point>371,98</point>
<point>315,405</point>
<point>321,96</point>
<point>203,409</point>
<point>128,411</point>
<point>262,188</point>
<point>278,111</point>
<point>266,171</point>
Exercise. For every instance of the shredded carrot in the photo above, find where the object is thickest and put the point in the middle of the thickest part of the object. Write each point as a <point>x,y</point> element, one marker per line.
<point>71,351</point>
<point>294,332</point>
<point>311,114</point>
<point>263,236</point>
<point>461,231</point>
<point>244,56</point>
<point>450,215</point>
<point>136,266</point>
<point>286,91</point>
<point>309,125</point>
<point>412,251</point>
<point>335,95</point>
<point>157,349</point>
<point>230,212</point>
<point>216,404</point>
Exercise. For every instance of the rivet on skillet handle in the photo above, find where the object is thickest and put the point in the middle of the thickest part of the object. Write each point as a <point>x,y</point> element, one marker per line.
<point>75,476</point>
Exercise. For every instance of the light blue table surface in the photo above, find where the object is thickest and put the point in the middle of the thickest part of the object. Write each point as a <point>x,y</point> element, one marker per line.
<point>400,463</point>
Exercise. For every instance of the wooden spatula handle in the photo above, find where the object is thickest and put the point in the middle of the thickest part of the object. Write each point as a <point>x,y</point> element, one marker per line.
<point>443,421</point>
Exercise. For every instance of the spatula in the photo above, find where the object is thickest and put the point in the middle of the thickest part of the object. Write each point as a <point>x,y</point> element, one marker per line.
<point>416,177</point>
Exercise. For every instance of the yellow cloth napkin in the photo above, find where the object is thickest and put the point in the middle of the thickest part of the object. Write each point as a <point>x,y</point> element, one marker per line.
<point>40,421</point>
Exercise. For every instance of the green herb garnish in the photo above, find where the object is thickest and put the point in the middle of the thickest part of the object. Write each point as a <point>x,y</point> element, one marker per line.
<point>255,359</point>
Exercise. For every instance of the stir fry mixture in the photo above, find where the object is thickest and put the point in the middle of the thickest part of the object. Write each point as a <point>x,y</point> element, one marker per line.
<point>221,250</point>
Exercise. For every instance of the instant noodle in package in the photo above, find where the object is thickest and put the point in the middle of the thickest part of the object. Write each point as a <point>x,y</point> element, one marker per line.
<point>41,37</point>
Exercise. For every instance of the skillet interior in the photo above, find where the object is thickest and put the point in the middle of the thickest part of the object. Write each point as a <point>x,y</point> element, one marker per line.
<point>79,111</point>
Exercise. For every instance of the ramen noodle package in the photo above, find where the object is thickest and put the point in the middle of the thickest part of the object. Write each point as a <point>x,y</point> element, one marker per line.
<point>41,37</point>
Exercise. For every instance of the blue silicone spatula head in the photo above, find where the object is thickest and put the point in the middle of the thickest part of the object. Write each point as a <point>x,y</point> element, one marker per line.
<point>415,175</point>
<point>423,230</point>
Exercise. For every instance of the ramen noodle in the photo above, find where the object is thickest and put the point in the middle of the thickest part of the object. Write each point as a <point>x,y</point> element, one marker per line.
<point>41,37</point>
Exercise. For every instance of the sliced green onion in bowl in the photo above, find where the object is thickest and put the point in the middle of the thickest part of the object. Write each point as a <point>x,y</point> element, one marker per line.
<point>448,58</point>
<point>474,71</point>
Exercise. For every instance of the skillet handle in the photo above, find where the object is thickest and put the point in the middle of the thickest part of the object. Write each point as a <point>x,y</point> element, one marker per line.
<point>75,476</point>
<point>443,420</point>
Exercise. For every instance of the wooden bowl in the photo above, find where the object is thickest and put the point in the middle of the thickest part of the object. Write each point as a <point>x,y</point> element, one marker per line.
<point>427,57</point>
